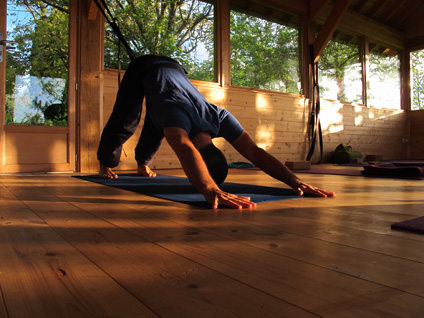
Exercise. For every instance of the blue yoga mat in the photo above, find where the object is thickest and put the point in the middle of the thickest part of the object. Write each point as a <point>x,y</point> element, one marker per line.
<point>179,189</point>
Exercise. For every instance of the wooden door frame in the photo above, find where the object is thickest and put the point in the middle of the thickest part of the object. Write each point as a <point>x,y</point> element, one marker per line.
<point>3,23</point>
<point>70,130</point>
<point>72,80</point>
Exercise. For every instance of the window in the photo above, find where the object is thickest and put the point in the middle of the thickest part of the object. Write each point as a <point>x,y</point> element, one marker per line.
<point>384,77</point>
<point>183,30</point>
<point>340,70</point>
<point>264,48</point>
<point>37,64</point>
<point>417,79</point>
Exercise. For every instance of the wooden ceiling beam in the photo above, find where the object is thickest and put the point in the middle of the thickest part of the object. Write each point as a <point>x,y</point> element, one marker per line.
<point>315,7</point>
<point>393,10</point>
<point>377,8</point>
<point>330,25</point>
<point>406,14</point>
<point>361,4</point>
<point>416,43</point>
<point>356,23</point>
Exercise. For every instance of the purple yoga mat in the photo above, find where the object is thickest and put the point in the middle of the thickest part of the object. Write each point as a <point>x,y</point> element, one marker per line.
<point>408,170</point>
<point>413,225</point>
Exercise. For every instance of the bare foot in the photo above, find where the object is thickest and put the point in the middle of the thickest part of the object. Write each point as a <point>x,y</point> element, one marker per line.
<point>145,171</point>
<point>106,172</point>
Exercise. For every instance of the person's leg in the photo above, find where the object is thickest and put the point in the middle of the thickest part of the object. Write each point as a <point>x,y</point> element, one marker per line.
<point>124,119</point>
<point>149,142</point>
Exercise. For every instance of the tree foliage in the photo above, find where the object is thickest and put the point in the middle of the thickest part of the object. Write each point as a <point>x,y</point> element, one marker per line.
<point>335,62</point>
<point>263,54</point>
<point>41,51</point>
<point>165,27</point>
<point>384,78</point>
<point>417,61</point>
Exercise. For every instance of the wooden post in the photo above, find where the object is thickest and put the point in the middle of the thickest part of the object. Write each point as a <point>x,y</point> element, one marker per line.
<point>223,44</point>
<point>90,95</point>
<point>365,61</point>
<point>406,83</point>
<point>3,8</point>
<point>406,93</point>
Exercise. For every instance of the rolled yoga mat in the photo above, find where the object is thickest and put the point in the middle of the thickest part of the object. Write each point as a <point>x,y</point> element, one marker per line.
<point>413,225</point>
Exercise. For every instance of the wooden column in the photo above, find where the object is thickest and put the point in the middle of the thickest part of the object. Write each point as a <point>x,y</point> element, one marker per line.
<point>3,8</point>
<point>407,98</point>
<point>223,44</point>
<point>308,38</point>
<point>90,123</point>
<point>365,62</point>
<point>406,89</point>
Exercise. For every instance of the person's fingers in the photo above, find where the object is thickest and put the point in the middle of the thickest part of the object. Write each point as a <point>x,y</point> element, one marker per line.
<point>317,192</point>
<point>237,202</point>
<point>330,194</point>
<point>305,188</point>
<point>215,203</point>
<point>232,201</point>
<point>298,191</point>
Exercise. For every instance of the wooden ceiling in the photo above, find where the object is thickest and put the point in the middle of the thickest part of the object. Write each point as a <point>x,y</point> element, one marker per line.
<point>397,23</point>
<point>406,16</point>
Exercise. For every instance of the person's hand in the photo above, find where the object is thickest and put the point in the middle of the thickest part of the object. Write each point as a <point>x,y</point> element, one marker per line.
<point>219,197</point>
<point>145,171</point>
<point>303,188</point>
<point>106,172</point>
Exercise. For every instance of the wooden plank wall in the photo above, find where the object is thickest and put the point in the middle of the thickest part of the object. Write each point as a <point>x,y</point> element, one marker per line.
<point>417,134</point>
<point>278,122</point>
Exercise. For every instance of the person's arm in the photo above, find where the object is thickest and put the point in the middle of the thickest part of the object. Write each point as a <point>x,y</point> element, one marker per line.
<point>273,167</point>
<point>197,171</point>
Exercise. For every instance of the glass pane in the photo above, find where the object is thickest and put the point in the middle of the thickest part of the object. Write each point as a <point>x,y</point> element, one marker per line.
<point>37,64</point>
<point>340,71</point>
<point>264,54</point>
<point>417,71</point>
<point>183,30</point>
<point>384,78</point>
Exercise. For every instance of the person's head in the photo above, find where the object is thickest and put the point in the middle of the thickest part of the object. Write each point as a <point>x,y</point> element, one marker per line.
<point>212,156</point>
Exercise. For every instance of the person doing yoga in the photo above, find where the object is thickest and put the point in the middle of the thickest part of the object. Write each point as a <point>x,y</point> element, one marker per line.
<point>178,112</point>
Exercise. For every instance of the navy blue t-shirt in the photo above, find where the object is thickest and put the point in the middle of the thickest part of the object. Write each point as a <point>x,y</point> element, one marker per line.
<point>173,101</point>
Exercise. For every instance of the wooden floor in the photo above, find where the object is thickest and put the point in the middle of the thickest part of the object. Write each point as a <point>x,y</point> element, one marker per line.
<point>71,248</point>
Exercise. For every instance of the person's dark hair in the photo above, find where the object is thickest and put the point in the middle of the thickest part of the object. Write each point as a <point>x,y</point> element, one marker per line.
<point>216,163</point>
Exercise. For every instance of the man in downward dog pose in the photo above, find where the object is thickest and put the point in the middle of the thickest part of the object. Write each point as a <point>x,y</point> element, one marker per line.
<point>177,111</point>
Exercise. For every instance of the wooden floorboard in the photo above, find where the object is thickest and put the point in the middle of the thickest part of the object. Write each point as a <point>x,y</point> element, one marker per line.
<point>42,275</point>
<point>71,248</point>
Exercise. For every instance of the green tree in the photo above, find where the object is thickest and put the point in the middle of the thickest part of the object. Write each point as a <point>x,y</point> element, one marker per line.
<point>417,66</point>
<point>383,78</point>
<point>164,27</point>
<point>41,51</point>
<point>263,54</point>
<point>335,62</point>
